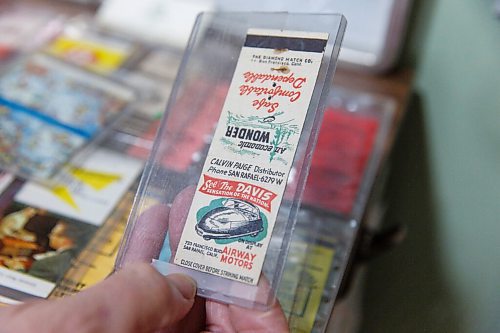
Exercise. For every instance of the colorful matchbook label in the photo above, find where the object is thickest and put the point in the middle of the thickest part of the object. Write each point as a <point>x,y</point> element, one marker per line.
<point>238,196</point>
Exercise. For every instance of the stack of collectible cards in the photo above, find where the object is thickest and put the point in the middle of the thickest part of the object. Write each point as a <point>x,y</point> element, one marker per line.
<point>49,110</point>
<point>53,103</point>
<point>44,230</point>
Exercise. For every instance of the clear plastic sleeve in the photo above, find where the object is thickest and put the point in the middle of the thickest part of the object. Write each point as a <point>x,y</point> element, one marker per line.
<point>251,92</point>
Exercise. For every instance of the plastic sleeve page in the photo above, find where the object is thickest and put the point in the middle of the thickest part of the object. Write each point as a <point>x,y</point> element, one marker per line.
<point>240,190</point>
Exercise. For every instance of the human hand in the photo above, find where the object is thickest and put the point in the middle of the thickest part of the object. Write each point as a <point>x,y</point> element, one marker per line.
<point>135,300</point>
<point>140,300</point>
<point>206,315</point>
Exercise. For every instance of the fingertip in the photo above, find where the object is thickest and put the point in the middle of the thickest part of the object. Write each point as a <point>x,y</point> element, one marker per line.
<point>182,201</point>
<point>178,214</point>
<point>147,237</point>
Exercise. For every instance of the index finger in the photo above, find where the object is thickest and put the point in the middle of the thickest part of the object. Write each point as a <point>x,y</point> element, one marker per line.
<point>146,239</point>
<point>148,235</point>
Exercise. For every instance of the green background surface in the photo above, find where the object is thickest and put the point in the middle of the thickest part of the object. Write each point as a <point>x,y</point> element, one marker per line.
<point>445,182</point>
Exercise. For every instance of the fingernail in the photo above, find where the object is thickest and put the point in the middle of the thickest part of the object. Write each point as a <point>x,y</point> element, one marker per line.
<point>185,284</point>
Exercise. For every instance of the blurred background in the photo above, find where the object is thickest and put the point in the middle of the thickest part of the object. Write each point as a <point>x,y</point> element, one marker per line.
<point>416,246</point>
<point>445,276</point>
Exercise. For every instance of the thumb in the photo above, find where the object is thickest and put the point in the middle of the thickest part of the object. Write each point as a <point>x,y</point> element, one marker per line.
<point>136,299</point>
